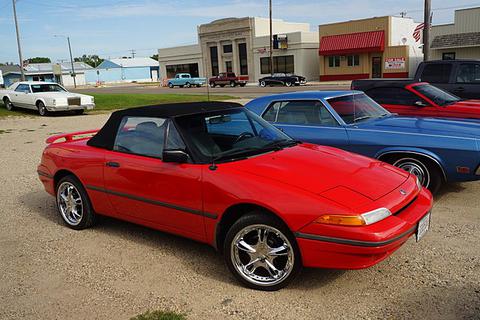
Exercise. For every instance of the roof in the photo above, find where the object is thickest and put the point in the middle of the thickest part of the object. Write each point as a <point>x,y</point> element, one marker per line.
<point>106,136</point>
<point>10,69</point>
<point>36,82</point>
<point>308,95</point>
<point>371,41</point>
<point>376,83</point>
<point>48,67</point>
<point>469,39</point>
<point>135,62</point>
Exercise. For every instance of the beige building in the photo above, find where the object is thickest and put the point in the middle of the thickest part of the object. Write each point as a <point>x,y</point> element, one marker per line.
<point>381,47</point>
<point>458,40</point>
<point>241,45</point>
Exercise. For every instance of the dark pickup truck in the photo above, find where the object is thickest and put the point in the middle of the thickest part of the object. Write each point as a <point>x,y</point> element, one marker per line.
<point>460,77</point>
<point>228,79</point>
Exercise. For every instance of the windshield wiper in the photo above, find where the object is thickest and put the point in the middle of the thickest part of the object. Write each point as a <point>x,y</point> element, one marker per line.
<point>280,144</point>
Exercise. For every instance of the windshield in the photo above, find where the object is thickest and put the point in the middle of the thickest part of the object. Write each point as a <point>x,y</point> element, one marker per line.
<point>354,108</point>
<point>437,95</point>
<point>50,87</point>
<point>231,134</point>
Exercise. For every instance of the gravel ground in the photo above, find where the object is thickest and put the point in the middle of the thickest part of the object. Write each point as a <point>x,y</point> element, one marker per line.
<point>117,270</point>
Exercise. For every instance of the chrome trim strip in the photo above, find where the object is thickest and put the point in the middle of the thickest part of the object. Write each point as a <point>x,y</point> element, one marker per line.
<point>351,242</point>
<point>416,134</point>
<point>154,202</point>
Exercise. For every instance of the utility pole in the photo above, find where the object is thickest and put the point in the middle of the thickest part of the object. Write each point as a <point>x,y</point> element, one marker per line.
<point>18,40</point>
<point>71,58</point>
<point>426,29</point>
<point>271,36</point>
<point>133,51</point>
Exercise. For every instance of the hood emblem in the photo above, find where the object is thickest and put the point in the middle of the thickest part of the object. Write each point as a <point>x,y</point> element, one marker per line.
<point>403,192</point>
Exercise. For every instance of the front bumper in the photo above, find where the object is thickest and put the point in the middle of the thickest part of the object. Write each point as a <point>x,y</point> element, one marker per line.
<point>71,108</point>
<point>378,240</point>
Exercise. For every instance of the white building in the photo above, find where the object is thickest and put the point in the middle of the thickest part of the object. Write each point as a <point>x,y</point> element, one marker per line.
<point>241,45</point>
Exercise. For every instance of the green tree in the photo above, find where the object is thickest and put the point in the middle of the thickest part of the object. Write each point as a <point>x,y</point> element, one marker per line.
<point>155,57</point>
<point>39,60</point>
<point>92,60</point>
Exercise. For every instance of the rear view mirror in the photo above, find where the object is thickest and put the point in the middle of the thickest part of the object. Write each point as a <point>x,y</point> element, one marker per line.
<point>176,156</point>
<point>420,104</point>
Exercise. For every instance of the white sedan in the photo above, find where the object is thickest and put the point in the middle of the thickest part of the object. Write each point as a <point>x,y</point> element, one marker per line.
<point>45,97</point>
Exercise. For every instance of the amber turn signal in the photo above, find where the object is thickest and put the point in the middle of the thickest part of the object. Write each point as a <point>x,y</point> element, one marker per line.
<point>341,220</point>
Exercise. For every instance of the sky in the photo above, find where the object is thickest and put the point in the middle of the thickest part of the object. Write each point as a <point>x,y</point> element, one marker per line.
<point>111,28</point>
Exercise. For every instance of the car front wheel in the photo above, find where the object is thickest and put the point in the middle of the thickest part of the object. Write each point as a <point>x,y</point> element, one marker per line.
<point>170,85</point>
<point>42,110</point>
<point>288,84</point>
<point>263,84</point>
<point>73,204</point>
<point>261,252</point>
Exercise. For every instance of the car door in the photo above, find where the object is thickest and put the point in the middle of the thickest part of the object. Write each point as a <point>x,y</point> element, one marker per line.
<point>467,81</point>
<point>146,190</point>
<point>23,96</point>
<point>308,121</point>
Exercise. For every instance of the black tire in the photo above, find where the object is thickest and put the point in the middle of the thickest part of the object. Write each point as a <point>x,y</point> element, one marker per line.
<point>212,84</point>
<point>233,84</point>
<point>88,216</point>
<point>252,220</point>
<point>199,85</point>
<point>42,110</point>
<point>222,85</point>
<point>288,84</point>
<point>242,85</point>
<point>432,175</point>
<point>170,85</point>
<point>8,104</point>
<point>187,85</point>
<point>263,84</point>
<point>79,112</point>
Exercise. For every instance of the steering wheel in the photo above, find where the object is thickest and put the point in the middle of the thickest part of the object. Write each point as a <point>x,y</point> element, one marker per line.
<point>243,136</point>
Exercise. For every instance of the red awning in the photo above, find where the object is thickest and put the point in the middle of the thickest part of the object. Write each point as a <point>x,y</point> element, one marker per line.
<point>373,41</point>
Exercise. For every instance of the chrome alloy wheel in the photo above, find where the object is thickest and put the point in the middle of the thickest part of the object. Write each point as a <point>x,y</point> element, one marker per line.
<point>416,168</point>
<point>262,255</point>
<point>70,203</point>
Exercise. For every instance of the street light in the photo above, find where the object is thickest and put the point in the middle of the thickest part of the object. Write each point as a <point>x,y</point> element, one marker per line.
<point>71,57</point>
<point>271,35</point>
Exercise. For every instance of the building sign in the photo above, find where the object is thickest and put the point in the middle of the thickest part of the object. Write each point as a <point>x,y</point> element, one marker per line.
<point>395,63</point>
<point>280,41</point>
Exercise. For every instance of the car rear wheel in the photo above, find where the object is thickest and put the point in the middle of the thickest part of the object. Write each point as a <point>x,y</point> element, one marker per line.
<point>212,84</point>
<point>233,84</point>
<point>8,104</point>
<point>427,172</point>
<point>187,85</point>
<point>288,84</point>
<point>42,110</point>
<point>261,252</point>
<point>263,84</point>
<point>73,204</point>
<point>242,85</point>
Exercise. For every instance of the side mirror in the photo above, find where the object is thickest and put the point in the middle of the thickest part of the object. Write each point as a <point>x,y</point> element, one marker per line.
<point>176,156</point>
<point>420,104</point>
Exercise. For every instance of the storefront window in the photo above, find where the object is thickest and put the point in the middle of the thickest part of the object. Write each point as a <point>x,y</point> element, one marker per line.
<point>281,64</point>
<point>353,61</point>
<point>214,60</point>
<point>242,54</point>
<point>334,61</point>
<point>227,48</point>
<point>191,68</point>
<point>448,56</point>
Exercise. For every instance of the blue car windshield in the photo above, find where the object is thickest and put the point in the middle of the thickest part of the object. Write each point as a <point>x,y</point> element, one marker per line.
<point>231,134</point>
<point>437,95</point>
<point>357,107</point>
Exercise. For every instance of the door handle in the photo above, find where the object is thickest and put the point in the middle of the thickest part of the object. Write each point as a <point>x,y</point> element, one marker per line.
<point>113,164</point>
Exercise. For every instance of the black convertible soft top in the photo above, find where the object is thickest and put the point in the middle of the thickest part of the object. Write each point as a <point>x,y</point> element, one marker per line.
<point>105,137</point>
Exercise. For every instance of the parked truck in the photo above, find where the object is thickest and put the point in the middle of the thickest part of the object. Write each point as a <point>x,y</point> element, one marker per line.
<point>185,80</point>
<point>228,79</point>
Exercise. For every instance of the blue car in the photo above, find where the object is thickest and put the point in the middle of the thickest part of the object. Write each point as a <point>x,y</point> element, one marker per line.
<point>435,150</point>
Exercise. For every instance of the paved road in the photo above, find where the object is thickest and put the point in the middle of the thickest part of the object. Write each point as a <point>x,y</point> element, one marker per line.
<point>116,269</point>
<point>245,92</point>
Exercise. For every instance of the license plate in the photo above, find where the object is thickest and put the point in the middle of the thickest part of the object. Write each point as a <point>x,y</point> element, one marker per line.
<point>423,226</point>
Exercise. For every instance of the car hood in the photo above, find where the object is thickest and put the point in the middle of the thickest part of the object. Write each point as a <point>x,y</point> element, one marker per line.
<point>320,169</point>
<point>434,126</point>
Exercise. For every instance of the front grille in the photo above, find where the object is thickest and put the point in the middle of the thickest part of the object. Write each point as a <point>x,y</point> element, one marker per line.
<point>74,101</point>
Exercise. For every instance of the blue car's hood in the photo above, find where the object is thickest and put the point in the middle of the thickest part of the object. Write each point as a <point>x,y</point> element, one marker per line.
<point>431,126</point>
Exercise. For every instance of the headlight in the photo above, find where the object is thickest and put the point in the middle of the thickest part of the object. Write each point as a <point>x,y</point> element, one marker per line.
<point>364,219</point>
<point>419,183</point>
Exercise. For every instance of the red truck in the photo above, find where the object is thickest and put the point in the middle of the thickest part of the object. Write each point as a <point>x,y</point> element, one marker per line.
<point>228,78</point>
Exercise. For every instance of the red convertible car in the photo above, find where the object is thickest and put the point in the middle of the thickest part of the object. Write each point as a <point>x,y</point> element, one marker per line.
<point>410,98</point>
<point>219,174</point>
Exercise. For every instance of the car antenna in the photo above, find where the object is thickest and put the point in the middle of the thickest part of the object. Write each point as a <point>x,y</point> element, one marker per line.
<point>213,166</point>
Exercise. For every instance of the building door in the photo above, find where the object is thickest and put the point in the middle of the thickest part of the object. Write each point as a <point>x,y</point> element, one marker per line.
<point>228,66</point>
<point>376,67</point>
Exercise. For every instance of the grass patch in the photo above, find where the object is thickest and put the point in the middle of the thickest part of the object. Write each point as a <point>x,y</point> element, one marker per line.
<point>160,315</point>
<point>104,101</point>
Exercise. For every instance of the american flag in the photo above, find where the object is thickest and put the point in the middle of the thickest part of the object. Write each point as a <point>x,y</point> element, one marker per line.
<point>417,32</point>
